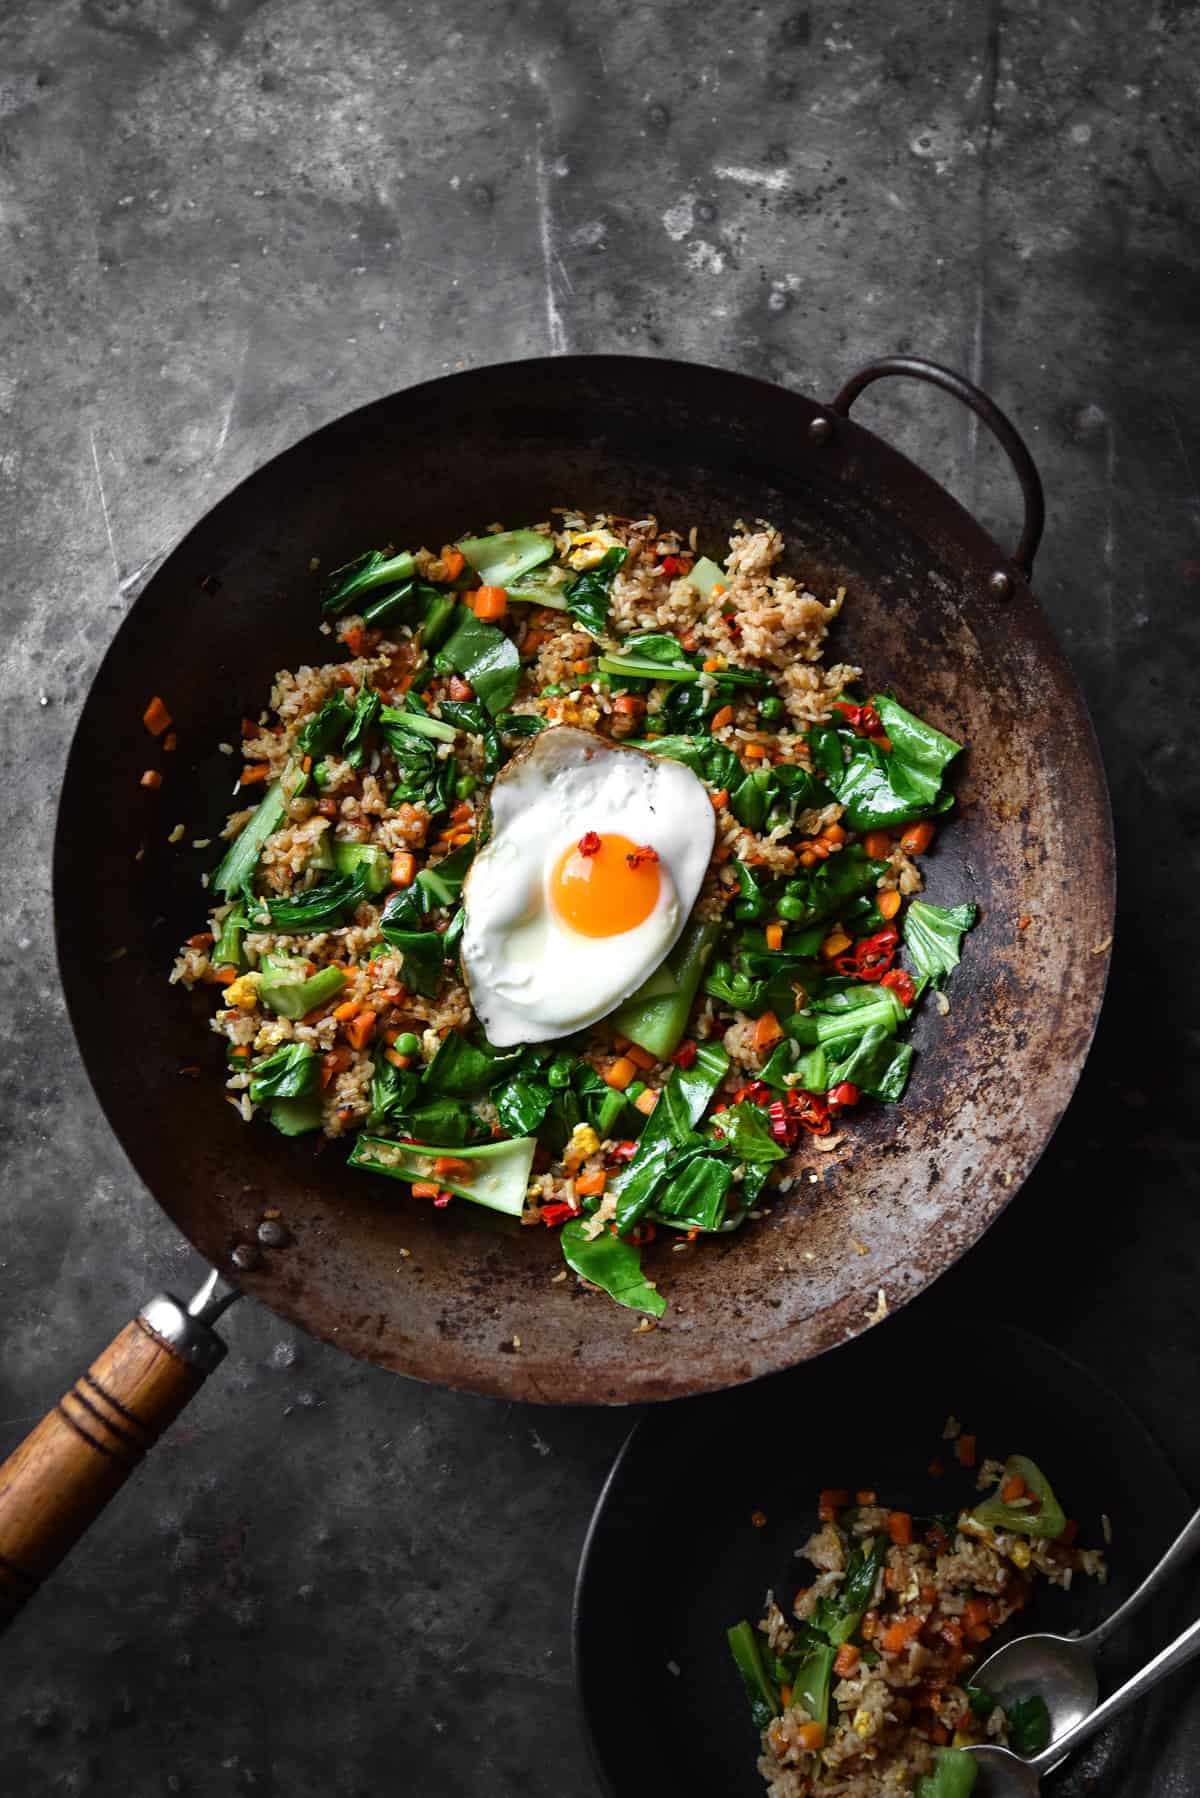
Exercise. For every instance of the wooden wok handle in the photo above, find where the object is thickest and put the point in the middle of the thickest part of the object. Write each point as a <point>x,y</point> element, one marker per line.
<point>918,368</point>
<point>60,1478</point>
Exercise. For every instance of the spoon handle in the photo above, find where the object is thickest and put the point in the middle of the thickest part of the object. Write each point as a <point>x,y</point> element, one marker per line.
<point>1185,1545</point>
<point>1180,1651</point>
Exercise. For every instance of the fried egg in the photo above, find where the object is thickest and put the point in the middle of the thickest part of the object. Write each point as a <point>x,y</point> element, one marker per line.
<point>596,857</point>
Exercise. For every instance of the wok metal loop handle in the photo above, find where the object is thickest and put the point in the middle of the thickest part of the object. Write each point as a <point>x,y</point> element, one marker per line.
<point>998,423</point>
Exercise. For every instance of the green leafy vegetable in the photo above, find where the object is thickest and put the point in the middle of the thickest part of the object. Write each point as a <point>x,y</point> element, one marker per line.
<point>321,907</point>
<point>393,1091</point>
<point>882,788</point>
<point>613,1265</point>
<point>982,1703</point>
<point>656,1020</point>
<point>954,1775</point>
<point>587,594</point>
<point>295,1117</point>
<point>227,951</point>
<point>681,1104</point>
<point>505,556</point>
<point>399,726</point>
<point>705,574</point>
<point>925,752</point>
<point>375,863</point>
<point>292,993</point>
<point>521,724</point>
<point>236,868</point>
<point>694,1195</point>
<point>1028,1725</point>
<point>498,1179</point>
<point>365,574</point>
<point>444,881</point>
<point>761,1690</point>
<point>544,586</point>
<point>326,728</point>
<point>424,952</point>
<point>292,1072</point>
<point>366,711</point>
<point>745,1132</point>
<point>470,715</point>
<point>484,656</point>
<point>838,1616</point>
<point>933,936</point>
<point>1036,1513</point>
<point>878,1064</point>
<point>464,1069</point>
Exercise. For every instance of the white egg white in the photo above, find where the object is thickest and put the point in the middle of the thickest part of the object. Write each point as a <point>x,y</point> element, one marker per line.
<point>530,976</point>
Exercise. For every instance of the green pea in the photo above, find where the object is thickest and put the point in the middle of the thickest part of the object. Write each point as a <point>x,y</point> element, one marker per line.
<point>464,786</point>
<point>791,906</point>
<point>407,1044</point>
<point>551,692</point>
<point>770,708</point>
<point>321,773</point>
<point>746,910</point>
<point>559,1072</point>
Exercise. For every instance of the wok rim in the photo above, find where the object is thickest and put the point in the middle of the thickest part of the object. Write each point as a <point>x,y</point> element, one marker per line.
<point>505,1377</point>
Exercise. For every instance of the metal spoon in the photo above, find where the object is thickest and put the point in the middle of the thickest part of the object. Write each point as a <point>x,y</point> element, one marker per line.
<point>1061,1669</point>
<point>1004,1774</point>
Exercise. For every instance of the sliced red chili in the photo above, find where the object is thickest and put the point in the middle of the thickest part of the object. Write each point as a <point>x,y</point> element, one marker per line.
<point>624,1151</point>
<point>872,956</point>
<point>558,1213</point>
<point>845,1093</point>
<point>674,565</point>
<point>442,1200</point>
<point>685,1055</point>
<point>783,1127</point>
<point>589,843</point>
<point>902,984</point>
<point>642,854</point>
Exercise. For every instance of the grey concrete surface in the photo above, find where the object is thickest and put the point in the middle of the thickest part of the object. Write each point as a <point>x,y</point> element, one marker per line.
<point>224,222</point>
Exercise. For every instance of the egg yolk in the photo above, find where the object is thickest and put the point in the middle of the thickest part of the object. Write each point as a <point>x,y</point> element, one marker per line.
<point>604,885</point>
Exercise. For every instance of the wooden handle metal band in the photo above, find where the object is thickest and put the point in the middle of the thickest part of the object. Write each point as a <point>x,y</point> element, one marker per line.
<point>65,1472</point>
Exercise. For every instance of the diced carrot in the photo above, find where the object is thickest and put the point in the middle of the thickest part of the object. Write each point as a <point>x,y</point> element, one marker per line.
<point>460,689</point>
<point>811,1736</point>
<point>865,1498</point>
<point>981,1633</point>
<point>397,1060</point>
<point>453,562</point>
<point>590,1186</point>
<point>1013,1487</point>
<point>807,859</point>
<point>619,1073</point>
<point>785,1696</point>
<point>845,1660</point>
<point>645,1102</point>
<point>156,717</point>
<point>170,742</point>
<point>917,838</point>
<point>829,1502</point>
<point>720,798</point>
<point>252,774</point>
<point>151,778</point>
<point>240,1053</point>
<point>462,813</point>
<point>767,1032</point>
<point>722,718</point>
<point>833,833</point>
<point>629,705</point>
<point>362,1029</point>
<point>900,1527</point>
<point>754,752</point>
<point>688,641</point>
<point>641,1058</point>
<point>878,845</point>
<point>964,1450</point>
<point>975,1611</point>
<point>404,868</point>
<point>353,637</point>
<point>424,1189</point>
<point>226,976</point>
<point>489,602</point>
<point>581,667</point>
<point>452,1167</point>
<point>774,935</point>
<point>201,940</point>
<point>349,1008</point>
<point>532,641</point>
<point>888,903</point>
<point>836,943</point>
<point>897,1636</point>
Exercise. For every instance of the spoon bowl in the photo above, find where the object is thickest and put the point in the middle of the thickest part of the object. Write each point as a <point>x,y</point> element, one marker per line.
<point>1058,1669</point>
<point>1003,1774</point>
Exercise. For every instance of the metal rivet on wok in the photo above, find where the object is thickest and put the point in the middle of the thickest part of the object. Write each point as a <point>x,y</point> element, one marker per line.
<point>245,1256</point>
<point>820,430</point>
<point>999,584</point>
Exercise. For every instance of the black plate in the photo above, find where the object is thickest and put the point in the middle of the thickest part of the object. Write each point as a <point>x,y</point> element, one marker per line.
<point>672,1556</point>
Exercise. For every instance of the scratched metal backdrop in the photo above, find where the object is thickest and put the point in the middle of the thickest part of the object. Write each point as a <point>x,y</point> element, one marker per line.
<point>913,1186</point>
